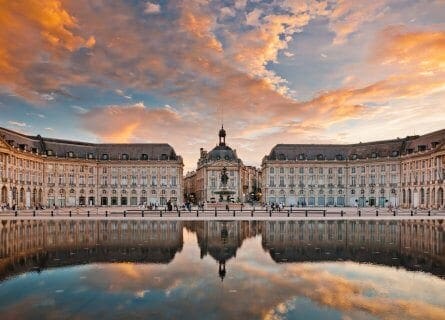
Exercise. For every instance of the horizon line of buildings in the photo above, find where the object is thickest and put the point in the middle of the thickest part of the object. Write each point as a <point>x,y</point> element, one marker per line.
<point>405,172</point>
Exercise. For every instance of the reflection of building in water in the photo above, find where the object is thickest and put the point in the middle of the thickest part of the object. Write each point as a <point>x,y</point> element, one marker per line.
<point>222,239</point>
<point>27,244</point>
<point>413,244</point>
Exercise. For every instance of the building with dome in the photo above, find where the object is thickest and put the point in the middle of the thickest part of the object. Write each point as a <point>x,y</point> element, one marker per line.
<point>204,184</point>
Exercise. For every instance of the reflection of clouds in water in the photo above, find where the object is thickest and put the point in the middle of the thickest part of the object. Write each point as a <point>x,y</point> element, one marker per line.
<point>329,290</point>
<point>255,287</point>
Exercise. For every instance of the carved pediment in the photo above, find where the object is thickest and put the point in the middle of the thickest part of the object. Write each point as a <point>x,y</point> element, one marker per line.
<point>4,145</point>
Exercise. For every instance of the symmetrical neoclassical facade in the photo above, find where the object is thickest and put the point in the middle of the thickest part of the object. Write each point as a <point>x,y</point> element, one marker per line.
<point>42,171</point>
<point>406,172</point>
<point>201,185</point>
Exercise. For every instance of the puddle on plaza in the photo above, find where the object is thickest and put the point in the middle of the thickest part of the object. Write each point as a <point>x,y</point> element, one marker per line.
<point>87,269</point>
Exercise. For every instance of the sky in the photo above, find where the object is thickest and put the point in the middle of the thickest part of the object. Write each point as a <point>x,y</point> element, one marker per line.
<point>273,71</point>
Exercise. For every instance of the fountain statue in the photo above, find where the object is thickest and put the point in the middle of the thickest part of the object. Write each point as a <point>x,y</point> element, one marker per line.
<point>223,191</point>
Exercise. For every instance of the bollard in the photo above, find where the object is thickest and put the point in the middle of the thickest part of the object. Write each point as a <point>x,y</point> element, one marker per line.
<point>377,213</point>
<point>106,213</point>
<point>52,213</point>
<point>125,213</point>
<point>70,213</point>
<point>34,213</point>
<point>88,213</point>
<point>305,213</point>
<point>233,212</point>
<point>324,213</point>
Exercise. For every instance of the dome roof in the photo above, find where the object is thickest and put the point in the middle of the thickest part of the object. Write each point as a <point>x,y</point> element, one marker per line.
<point>222,153</point>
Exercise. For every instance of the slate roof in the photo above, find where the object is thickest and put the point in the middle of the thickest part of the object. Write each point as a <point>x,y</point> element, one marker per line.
<point>114,151</point>
<point>374,149</point>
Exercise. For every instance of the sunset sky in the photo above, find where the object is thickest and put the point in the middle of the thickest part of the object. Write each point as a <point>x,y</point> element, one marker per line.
<point>282,71</point>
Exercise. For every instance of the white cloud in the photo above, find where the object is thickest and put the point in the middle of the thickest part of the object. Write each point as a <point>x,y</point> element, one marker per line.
<point>17,123</point>
<point>49,129</point>
<point>151,8</point>
<point>122,94</point>
<point>47,97</point>
<point>79,109</point>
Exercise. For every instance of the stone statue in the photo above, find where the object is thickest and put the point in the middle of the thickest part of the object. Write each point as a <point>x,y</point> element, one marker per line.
<point>224,177</point>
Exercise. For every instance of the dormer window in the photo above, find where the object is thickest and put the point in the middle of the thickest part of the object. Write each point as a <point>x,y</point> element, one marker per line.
<point>164,156</point>
<point>301,156</point>
<point>125,156</point>
<point>374,155</point>
<point>90,156</point>
<point>320,157</point>
<point>421,148</point>
<point>395,153</point>
<point>226,157</point>
<point>49,153</point>
<point>22,147</point>
<point>105,156</point>
<point>409,150</point>
<point>70,154</point>
<point>354,156</point>
<point>34,150</point>
<point>144,156</point>
<point>281,156</point>
<point>339,157</point>
<point>434,144</point>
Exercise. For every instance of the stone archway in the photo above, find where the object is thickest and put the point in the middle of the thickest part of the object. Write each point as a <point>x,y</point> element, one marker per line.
<point>40,197</point>
<point>428,195</point>
<point>34,197</point>
<point>4,195</point>
<point>22,197</point>
<point>14,196</point>
<point>440,202</point>
<point>433,197</point>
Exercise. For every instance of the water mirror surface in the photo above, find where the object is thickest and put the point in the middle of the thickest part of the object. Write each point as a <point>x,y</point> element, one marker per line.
<point>86,269</point>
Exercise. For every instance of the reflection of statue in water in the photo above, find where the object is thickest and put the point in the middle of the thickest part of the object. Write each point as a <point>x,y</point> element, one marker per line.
<point>224,177</point>
<point>222,270</point>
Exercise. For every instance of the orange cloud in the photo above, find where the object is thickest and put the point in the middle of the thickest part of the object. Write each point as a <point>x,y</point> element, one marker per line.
<point>35,31</point>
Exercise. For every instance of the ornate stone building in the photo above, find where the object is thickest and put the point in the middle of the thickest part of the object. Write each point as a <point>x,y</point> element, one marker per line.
<point>406,172</point>
<point>201,185</point>
<point>36,170</point>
